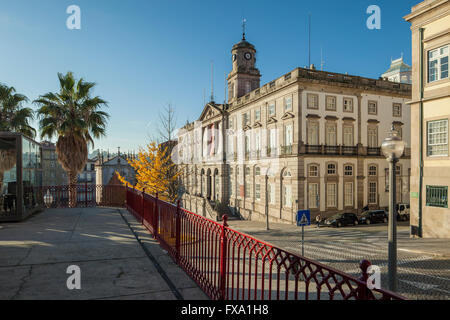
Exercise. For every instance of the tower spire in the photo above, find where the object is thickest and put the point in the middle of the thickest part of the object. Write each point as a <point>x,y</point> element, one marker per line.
<point>244,22</point>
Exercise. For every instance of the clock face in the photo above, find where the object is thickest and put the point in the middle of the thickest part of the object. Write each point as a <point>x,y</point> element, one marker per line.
<point>248,55</point>
<point>234,57</point>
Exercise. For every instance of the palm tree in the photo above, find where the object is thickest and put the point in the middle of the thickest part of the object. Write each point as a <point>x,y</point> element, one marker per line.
<point>13,118</point>
<point>73,116</point>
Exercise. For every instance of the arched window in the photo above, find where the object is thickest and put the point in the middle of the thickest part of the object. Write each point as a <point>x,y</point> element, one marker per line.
<point>313,170</point>
<point>331,169</point>
<point>348,170</point>
<point>373,171</point>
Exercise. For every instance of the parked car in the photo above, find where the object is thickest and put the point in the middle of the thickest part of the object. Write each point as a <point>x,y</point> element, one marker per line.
<point>402,212</point>
<point>342,219</point>
<point>373,216</point>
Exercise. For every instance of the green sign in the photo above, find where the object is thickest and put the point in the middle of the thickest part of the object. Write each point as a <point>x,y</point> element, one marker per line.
<point>415,195</point>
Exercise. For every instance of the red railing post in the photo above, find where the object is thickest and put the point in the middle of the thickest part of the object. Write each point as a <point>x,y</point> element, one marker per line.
<point>178,232</point>
<point>142,205</point>
<point>156,216</point>
<point>223,259</point>
<point>363,289</point>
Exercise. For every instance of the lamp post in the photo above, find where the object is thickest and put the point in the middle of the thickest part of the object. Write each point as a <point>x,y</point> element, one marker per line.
<point>392,148</point>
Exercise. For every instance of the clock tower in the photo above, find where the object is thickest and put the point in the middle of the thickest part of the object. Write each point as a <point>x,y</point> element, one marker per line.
<point>244,77</point>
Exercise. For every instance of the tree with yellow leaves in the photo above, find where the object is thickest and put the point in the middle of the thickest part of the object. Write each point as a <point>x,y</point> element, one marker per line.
<point>155,172</point>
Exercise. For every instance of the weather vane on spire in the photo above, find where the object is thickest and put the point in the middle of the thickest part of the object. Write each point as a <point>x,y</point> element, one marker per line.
<point>244,21</point>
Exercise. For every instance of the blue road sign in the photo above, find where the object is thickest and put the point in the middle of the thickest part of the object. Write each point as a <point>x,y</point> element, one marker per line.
<point>303,218</point>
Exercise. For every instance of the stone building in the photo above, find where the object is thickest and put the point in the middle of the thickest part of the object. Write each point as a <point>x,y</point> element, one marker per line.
<point>106,167</point>
<point>430,114</point>
<point>306,140</point>
<point>399,71</point>
<point>52,172</point>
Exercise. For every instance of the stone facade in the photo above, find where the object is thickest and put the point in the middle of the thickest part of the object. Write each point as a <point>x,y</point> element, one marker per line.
<point>430,115</point>
<point>307,140</point>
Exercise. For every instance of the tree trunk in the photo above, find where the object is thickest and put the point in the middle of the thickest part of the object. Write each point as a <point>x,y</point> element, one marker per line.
<point>72,189</point>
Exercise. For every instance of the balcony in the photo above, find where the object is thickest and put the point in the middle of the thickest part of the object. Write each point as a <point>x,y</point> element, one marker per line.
<point>287,150</point>
<point>350,150</point>
<point>373,151</point>
<point>332,150</point>
<point>313,149</point>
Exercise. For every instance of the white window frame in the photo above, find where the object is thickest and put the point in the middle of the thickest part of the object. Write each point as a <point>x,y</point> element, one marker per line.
<point>372,107</point>
<point>287,104</point>
<point>440,54</point>
<point>332,195</point>
<point>330,103</point>
<point>313,192</point>
<point>312,101</point>
<point>442,141</point>
<point>372,195</point>
<point>348,194</point>
<point>347,107</point>
<point>271,107</point>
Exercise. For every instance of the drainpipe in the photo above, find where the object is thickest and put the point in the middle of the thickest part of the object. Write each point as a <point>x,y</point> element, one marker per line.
<point>419,231</point>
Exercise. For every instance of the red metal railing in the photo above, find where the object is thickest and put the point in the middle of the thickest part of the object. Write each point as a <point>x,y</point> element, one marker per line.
<point>230,265</point>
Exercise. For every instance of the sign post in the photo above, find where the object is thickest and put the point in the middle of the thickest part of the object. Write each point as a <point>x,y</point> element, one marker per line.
<point>303,219</point>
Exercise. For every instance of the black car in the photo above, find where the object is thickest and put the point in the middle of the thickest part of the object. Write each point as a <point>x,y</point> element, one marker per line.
<point>374,216</point>
<point>342,219</point>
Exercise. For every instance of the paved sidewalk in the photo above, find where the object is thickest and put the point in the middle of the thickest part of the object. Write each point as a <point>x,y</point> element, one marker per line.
<point>35,254</point>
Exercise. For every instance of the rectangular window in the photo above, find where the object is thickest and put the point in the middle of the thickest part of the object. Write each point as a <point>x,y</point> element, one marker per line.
<point>331,136</point>
<point>397,110</point>
<point>288,135</point>
<point>257,140</point>
<point>348,105</point>
<point>372,107</point>
<point>438,63</point>
<point>288,104</point>
<point>257,191</point>
<point>372,192</point>
<point>372,133</point>
<point>437,196</point>
<point>348,194</point>
<point>331,195</point>
<point>437,138</point>
<point>313,133</point>
<point>313,194</point>
<point>271,109</point>
<point>257,115</point>
<point>287,196</point>
<point>331,103</point>
<point>247,190</point>
<point>348,136</point>
<point>313,101</point>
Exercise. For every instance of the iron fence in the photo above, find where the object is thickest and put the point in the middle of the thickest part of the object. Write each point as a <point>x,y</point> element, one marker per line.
<point>87,195</point>
<point>230,265</point>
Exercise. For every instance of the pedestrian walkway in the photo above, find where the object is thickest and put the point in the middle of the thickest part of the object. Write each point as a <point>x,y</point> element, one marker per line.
<point>35,255</point>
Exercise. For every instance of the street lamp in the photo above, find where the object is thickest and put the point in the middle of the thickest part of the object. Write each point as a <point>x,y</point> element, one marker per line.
<point>48,199</point>
<point>392,148</point>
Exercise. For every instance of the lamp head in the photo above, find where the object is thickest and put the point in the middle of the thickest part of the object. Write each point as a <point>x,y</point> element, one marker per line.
<point>393,146</point>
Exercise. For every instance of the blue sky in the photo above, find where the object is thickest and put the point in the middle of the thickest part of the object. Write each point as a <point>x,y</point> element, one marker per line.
<point>145,54</point>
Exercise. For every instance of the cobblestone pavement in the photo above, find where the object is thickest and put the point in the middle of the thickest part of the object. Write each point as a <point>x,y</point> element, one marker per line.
<point>421,275</point>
